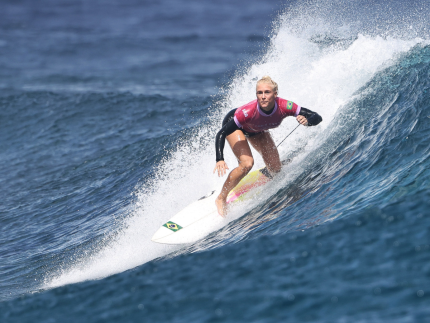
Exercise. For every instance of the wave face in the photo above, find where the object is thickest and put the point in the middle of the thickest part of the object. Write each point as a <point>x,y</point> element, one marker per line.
<point>96,158</point>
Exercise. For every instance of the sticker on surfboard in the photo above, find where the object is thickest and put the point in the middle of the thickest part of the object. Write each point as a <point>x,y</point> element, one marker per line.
<point>172,226</point>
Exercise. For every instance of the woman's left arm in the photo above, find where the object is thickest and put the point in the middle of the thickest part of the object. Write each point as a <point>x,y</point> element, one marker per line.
<point>307,117</point>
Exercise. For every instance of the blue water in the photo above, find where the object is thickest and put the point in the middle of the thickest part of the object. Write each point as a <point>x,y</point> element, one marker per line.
<point>108,112</point>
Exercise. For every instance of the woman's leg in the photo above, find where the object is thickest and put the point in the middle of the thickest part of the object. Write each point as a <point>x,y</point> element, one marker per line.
<point>264,144</point>
<point>242,151</point>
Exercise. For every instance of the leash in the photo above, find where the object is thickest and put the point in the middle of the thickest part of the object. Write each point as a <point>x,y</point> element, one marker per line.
<point>287,136</point>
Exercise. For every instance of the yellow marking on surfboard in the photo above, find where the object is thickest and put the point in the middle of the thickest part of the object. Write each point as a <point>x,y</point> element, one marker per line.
<point>250,181</point>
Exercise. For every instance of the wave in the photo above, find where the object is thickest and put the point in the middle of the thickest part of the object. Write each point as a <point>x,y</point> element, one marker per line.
<point>371,91</point>
<point>375,152</point>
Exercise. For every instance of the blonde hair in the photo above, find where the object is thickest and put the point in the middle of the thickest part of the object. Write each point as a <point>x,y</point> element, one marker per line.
<point>268,80</point>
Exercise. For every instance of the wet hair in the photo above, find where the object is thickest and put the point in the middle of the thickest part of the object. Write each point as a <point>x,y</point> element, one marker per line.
<point>268,80</point>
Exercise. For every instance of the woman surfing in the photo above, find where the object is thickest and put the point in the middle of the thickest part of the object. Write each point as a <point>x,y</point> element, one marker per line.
<point>250,124</point>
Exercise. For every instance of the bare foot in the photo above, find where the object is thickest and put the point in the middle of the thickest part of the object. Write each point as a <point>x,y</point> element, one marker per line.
<point>221,205</point>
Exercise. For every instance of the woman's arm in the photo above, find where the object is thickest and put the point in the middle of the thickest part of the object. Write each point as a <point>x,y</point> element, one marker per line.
<point>313,118</point>
<point>226,130</point>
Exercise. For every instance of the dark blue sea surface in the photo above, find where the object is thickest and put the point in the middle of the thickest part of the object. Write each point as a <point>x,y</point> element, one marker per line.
<point>108,113</point>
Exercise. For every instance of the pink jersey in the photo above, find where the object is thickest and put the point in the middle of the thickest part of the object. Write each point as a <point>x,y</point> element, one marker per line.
<point>251,118</point>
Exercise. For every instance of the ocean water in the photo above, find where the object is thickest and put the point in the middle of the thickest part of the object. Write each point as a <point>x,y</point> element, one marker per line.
<point>108,112</point>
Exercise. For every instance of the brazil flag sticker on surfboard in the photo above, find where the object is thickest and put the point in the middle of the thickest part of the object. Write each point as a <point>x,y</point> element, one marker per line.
<point>172,226</point>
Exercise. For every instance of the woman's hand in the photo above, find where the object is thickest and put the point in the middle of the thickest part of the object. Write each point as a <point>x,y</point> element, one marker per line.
<point>221,167</point>
<point>302,120</point>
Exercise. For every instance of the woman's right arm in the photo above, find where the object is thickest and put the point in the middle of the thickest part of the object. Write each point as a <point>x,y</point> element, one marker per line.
<point>226,130</point>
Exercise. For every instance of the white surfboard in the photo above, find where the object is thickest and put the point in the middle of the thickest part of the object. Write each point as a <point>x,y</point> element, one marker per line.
<point>200,218</point>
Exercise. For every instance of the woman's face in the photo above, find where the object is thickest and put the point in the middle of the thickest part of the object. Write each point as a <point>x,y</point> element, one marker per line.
<point>266,96</point>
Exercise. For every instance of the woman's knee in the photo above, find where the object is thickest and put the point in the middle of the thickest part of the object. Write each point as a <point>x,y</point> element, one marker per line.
<point>246,164</point>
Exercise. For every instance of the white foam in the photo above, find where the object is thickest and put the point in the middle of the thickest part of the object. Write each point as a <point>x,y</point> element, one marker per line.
<point>319,78</point>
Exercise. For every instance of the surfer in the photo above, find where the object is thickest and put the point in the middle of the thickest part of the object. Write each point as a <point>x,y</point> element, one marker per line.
<point>250,124</point>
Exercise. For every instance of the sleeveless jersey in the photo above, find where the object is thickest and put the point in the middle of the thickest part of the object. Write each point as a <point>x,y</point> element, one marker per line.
<point>252,119</point>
